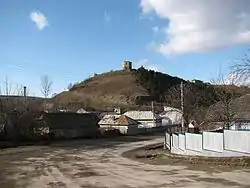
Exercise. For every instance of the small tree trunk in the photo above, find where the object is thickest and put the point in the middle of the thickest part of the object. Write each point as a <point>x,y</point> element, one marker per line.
<point>45,104</point>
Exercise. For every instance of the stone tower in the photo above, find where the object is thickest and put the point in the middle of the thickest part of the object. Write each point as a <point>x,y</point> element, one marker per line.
<point>127,65</point>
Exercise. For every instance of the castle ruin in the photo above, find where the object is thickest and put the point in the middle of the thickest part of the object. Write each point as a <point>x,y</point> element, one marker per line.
<point>127,65</point>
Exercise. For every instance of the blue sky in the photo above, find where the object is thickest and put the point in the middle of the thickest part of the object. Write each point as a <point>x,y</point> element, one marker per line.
<point>70,40</point>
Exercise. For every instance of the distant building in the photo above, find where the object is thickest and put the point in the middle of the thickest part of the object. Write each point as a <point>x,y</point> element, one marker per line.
<point>81,111</point>
<point>240,124</point>
<point>124,124</point>
<point>127,65</point>
<point>117,110</point>
<point>146,118</point>
<point>109,120</point>
<point>171,116</point>
<point>192,124</point>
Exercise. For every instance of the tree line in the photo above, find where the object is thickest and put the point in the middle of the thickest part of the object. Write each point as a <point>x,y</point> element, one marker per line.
<point>18,111</point>
<point>198,96</point>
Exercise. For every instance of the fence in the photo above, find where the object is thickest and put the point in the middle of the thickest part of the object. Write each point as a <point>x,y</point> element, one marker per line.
<point>228,143</point>
<point>237,141</point>
<point>175,129</point>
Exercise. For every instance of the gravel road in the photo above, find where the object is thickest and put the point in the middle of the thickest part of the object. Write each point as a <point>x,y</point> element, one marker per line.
<point>99,163</point>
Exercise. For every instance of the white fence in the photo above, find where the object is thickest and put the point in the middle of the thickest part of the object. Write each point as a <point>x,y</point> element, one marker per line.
<point>228,143</point>
<point>237,141</point>
<point>167,140</point>
<point>182,141</point>
<point>175,140</point>
<point>213,141</point>
<point>194,142</point>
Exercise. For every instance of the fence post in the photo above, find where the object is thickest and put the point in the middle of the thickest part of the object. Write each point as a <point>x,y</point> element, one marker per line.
<point>223,139</point>
<point>164,146</point>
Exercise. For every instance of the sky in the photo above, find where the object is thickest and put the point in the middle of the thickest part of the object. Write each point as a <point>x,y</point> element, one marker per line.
<point>71,40</point>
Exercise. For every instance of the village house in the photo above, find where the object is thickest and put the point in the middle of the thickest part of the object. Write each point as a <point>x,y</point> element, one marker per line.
<point>124,124</point>
<point>171,116</point>
<point>148,119</point>
<point>240,124</point>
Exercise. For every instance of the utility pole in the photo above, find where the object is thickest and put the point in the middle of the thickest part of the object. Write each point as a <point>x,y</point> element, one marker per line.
<point>25,95</point>
<point>182,105</point>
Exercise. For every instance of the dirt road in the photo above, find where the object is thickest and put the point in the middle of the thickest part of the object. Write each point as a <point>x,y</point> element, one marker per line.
<point>98,163</point>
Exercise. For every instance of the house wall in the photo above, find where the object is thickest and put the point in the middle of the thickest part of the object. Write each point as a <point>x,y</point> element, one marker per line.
<point>150,123</point>
<point>72,125</point>
<point>73,133</point>
<point>133,130</point>
<point>229,143</point>
<point>126,130</point>
<point>122,129</point>
<point>71,120</point>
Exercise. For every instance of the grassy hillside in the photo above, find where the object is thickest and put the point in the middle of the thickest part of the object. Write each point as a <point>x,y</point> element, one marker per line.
<point>113,88</point>
<point>140,87</point>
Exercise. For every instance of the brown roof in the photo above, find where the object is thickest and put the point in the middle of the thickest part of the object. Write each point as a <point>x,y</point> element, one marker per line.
<point>117,120</point>
<point>125,120</point>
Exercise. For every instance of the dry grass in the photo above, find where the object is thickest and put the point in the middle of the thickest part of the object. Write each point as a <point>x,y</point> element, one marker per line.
<point>118,87</point>
<point>163,157</point>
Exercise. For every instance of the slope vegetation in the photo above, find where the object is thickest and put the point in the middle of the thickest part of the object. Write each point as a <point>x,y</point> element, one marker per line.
<point>140,87</point>
<point>113,88</point>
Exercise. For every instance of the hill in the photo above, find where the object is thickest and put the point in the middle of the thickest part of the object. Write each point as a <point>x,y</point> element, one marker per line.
<point>119,88</point>
<point>113,88</point>
<point>133,88</point>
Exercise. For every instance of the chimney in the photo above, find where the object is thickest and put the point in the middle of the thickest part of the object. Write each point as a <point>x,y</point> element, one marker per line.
<point>25,94</point>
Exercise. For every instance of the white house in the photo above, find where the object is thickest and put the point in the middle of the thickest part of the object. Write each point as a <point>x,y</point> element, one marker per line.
<point>123,123</point>
<point>171,116</point>
<point>81,111</point>
<point>191,125</point>
<point>146,118</point>
<point>240,124</point>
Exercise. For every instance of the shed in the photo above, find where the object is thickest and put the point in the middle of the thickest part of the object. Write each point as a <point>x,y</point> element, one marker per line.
<point>72,125</point>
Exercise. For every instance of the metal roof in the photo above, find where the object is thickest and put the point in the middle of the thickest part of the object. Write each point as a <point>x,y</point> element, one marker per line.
<point>142,115</point>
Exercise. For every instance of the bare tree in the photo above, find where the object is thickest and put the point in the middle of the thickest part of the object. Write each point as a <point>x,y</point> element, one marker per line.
<point>192,100</point>
<point>224,94</point>
<point>241,69</point>
<point>46,87</point>
<point>8,90</point>
<point>7,87</point>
